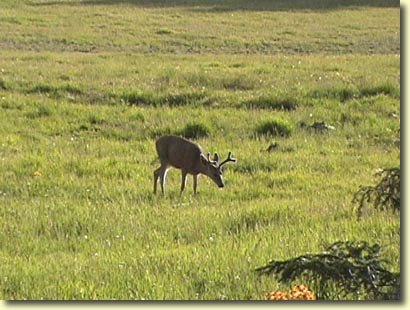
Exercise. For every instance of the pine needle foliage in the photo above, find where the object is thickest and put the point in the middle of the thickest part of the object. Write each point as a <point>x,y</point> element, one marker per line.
<point>385,195</point>
<point>354,268</point>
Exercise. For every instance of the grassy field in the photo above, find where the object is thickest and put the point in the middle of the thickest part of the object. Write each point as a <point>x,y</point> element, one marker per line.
<point>87,86</point>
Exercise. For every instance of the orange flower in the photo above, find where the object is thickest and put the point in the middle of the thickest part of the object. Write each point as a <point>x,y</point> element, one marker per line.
<point>277,296</point>
<point>299,292</point>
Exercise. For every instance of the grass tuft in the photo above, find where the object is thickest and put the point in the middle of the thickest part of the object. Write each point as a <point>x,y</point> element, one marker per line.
<point>268,102</point>
<point>94,119</point>
<point>195,130</point>
<point>238,83</point>
<point>138,98</point>
<point>56,91</point>
<point>348,93</point>
<point>164,31</point>
<point>171,100</point>
<point>39,112</point>
<point>191,98</point>
<point>274,127</point>
<point>340,93</point>
<point>160,131</point>
<point>3,85</point>
<point>383,89</point>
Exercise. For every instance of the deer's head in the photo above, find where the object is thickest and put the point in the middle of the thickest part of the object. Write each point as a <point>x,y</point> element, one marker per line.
<point>213,169</point>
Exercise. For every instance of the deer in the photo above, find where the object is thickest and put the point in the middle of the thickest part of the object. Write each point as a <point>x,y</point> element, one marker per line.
<point>180,153</point>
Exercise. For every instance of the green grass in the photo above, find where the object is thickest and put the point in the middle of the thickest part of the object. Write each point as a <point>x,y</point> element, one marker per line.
<point>195,130</point>
<point>275,127</point>
<point>82,100</point>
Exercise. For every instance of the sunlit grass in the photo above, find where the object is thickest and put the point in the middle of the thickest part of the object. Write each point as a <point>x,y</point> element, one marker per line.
<point>82,100</point>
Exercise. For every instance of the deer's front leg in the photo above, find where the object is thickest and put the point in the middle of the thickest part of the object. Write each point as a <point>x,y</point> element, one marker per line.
<point>195,182</point>
<point>162,176</point>
<point>183,180</point>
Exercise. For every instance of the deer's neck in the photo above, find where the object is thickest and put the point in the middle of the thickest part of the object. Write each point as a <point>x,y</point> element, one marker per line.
<point>201,169</point>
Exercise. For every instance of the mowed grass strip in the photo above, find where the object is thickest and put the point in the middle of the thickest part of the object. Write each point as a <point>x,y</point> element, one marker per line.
<point>202,27</point>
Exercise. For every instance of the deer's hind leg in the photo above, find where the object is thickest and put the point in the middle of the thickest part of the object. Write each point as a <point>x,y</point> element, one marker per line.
<point>161,174</point>
<point>156,176</point>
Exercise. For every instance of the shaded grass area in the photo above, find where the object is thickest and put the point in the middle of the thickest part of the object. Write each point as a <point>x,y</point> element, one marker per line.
<point>201,98</point>
<point>231,4</point>
<point>361,27</point>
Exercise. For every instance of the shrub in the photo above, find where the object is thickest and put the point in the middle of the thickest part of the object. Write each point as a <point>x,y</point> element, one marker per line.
<point>385,195</point>
<point>353,267</point>
<point>275,127</point>
<point>194,130</point>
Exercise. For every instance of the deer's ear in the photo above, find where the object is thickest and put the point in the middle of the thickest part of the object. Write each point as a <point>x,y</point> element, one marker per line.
<point>216,157</point>
<point>203,159</point>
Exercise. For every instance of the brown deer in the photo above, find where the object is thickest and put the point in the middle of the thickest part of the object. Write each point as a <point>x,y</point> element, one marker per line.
<point>187,156</point>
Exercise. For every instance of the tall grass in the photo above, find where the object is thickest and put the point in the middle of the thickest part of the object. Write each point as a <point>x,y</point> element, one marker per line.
<point>83,99</point>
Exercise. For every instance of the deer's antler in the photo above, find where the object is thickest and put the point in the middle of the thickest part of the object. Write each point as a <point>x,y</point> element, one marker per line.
<point>230,158</point>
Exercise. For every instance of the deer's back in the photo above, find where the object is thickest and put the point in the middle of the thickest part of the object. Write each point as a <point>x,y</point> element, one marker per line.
<point>179,153</point>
